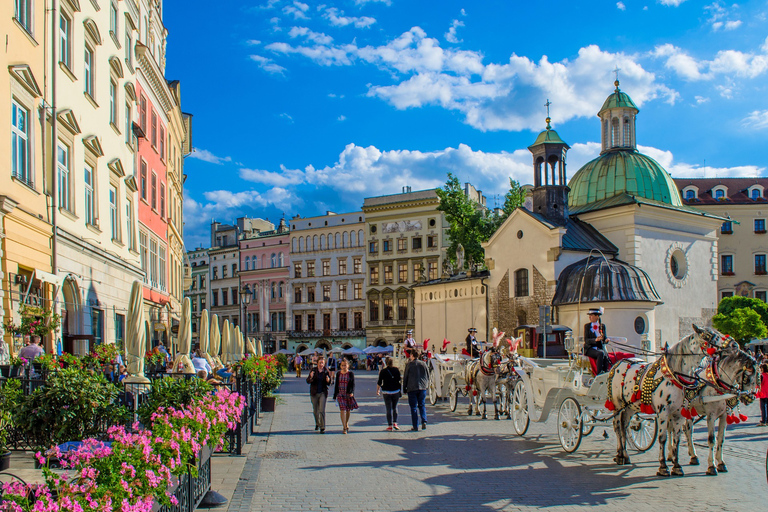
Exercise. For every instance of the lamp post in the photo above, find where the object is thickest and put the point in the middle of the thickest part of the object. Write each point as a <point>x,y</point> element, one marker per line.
<point>267,327</point>
<point>245,300</point>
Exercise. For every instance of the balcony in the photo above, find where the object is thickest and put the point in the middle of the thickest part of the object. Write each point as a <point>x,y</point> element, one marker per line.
<point>326,333</point>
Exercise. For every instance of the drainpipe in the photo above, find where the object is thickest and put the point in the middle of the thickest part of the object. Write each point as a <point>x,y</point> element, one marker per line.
<point>487,308</point>
<point>54,137</point>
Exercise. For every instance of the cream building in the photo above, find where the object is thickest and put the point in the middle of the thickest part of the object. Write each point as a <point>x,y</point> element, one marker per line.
<point>327,282</point>
<point>90,87</point>
<point>25,220</point>
<point>742,239</point>
<point>405,238</point>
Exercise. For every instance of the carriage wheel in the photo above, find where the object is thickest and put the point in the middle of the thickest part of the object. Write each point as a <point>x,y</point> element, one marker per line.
<point>587,422</point>
<point>569,425</point>
<point>432,389</point>
<point>453,394</point>
<point>642,431</point>
<point>519,406</point>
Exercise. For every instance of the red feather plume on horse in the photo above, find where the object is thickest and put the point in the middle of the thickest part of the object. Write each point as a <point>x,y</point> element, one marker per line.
<point>445,343</point>
<point>426,341</point>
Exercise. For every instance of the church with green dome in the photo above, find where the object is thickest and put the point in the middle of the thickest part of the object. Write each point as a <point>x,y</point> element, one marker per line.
<point>617,235</point>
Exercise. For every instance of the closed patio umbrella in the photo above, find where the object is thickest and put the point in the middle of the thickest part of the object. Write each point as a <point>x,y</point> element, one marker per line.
<point>204,337</point>
<point>237,353</point>
<point>250,349</point>
<point>260,349</point>
<point>214,348</point>
<point>136,336</point>
<point>182,363</point>
<point>226,339</point>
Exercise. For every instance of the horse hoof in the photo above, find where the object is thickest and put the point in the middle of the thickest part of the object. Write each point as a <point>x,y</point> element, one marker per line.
<point>621,461</point>
<point>478,414</point>
<point>469,413</point>
<point>711,471</point>
<point>722,467</point>
<point>662,472</point>
<point>485,417</point>
<point>694,461</point>
<point>677,471</point>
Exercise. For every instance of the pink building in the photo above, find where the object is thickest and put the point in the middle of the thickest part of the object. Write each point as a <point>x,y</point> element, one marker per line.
<point>264,262</point>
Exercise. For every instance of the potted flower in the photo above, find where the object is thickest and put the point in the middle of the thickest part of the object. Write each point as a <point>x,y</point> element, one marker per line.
<point>267,370</point>
<point>10,397</point>
<point>17,365</point>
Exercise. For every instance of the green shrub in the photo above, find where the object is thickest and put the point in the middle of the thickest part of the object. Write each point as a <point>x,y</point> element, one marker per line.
<point>283,360</point>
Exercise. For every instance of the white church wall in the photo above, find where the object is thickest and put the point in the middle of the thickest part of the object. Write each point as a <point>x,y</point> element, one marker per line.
<point>447,310</point>
<point>619,319</point>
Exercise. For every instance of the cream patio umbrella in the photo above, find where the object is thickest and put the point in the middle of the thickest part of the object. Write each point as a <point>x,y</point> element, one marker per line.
<point>204,337</point>
<point>182,363</point>
<point>136,336</point>
<point>238,348</point>
<point>249,348</point>
<point>259,349</point>
<point>226,340</point>
<point>214,347</point>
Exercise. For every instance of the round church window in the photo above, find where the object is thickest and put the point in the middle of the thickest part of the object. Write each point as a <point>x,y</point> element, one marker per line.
<point>677,265</point>
<point>640,325</point>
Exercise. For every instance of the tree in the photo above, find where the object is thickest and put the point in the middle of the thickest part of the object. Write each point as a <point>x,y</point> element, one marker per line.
<point>743,318</point>
<point>471,224</point>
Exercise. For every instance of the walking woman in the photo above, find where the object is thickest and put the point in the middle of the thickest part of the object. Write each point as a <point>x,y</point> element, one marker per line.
<point>388,385</point>
<point>344,393</point>
<point>318,380</point>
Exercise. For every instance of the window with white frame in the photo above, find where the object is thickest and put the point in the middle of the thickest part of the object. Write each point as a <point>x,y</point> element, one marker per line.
<point>144,254</point>
<point>90,203</point>
<point>113,18</point>
<point>89,71</point>
<point>24,10</point>
<point>153,192</point>
<point>62,166</point>
<point>20,146</point>
<point>113,102</point>
<point>153,129</point>
<point>129,223</point>
<point>114,226</point>
<point>161,269</point>
<point>162,200</point>
<point>153,263</point>
<point>128,127</point>
<point>65,39</point>
<point>144,184</point>
<point>161,142</point>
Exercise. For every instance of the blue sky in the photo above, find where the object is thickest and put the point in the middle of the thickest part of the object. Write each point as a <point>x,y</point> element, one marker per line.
<point>302,107</point>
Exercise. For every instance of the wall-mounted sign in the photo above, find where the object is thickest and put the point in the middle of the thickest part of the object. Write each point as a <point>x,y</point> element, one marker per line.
<point>159,326</point>
<point>401,227</point>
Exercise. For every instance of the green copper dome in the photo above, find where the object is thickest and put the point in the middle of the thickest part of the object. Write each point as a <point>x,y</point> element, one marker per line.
<point>621,172</point>
<point>548,136</point>
<point>618,100</point>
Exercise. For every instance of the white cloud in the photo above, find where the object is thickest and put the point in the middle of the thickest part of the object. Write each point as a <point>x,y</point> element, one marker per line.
<point>297,10</point>
<point>363,2</point>
<point>342,118</point>
<point>310,35</point>
<point>286,177</point>
<point>337,19</point>
<point>756,119</point>
<point>463,12</point>
<point>725,62</point>
<point>686,170</point>
<point>672,3</point>
<point>286,116</point>
<point>207,156</point>
<point>681,63</point>
<point>253,42</point>
<point>620,6</point>
<point>450,36</point>
<point>731,25</point>
<point>720,16</point>
<point>701,99</point>
<point>268,64</point>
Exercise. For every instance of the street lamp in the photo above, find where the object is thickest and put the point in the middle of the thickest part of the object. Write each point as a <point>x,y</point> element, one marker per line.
<point>267,327</point>
<point>245,300</point>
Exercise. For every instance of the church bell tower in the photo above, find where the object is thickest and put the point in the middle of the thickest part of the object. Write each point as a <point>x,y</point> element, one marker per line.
<point>550,192</point>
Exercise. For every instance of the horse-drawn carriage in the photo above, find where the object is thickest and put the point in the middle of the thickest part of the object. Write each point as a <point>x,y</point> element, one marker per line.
<point>570,387</point>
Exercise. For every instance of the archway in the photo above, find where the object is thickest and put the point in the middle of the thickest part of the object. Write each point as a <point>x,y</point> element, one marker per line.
<point>301,348</point>
<point>71,323</point>
<point>324,344</point>
<point>381,342</point>
<point>346,346</point>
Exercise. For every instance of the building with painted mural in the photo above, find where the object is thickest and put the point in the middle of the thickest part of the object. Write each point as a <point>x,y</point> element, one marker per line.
<point>742,239</point>
<point>265,259</point>
<point>25,220</point>
<point>327,282</point>
<point>405,237</point>
<point>91,89</point>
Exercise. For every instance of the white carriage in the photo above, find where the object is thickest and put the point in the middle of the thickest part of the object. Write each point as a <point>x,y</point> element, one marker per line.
<point>578,397</point>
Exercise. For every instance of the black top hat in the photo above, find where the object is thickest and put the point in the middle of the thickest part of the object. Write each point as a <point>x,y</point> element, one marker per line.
<point>596,311</point>
<point>472,329</point>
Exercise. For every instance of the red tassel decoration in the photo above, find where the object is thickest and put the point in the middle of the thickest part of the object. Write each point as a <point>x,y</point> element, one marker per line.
<point>685,413</point>
<point>646,409</point>
<point>743,417</point>
<point>729,419</point>
<point>736,419</point>
<point>609,405</point>
<point>711,350</point>
<point>474,392</point>
<point>694,412</point>
<point>466,388</point>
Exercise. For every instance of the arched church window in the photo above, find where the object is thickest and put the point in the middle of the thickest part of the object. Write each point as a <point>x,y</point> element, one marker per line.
<point>615,133</point>
<point>521,282</point>
<point>690,195</point>
<point>605,134</point>
<point>627,133</point>
<point>247,263</point>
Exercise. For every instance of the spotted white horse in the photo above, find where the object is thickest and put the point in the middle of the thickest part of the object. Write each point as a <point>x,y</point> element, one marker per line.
<point>480,376</point>
<point>729,378</point>
<point>659,388</point>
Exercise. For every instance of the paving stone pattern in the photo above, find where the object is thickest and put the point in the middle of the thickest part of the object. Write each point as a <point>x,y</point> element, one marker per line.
<point>461,463</point>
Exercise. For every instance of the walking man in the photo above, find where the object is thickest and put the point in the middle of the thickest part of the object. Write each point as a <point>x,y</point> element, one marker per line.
<point>319,378</point>
<point>415,383</point>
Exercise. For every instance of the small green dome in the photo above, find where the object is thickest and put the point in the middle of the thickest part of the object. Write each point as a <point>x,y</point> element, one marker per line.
<point>622,172</point>
<point>548,136</point>
<point>618,100</point>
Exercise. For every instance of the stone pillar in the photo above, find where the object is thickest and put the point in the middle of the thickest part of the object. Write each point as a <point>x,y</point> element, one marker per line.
<point>7,205</point>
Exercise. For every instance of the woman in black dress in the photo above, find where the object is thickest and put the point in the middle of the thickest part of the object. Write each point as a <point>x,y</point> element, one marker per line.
<point>389,385</point>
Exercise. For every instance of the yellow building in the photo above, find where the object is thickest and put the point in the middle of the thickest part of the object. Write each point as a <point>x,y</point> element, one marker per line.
<point>25,228</point>
<point>742,241</point>
<point>405,235</point>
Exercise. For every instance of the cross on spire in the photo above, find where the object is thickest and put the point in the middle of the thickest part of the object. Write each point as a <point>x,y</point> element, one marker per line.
<point>616,72</point>
<point>547,104</point>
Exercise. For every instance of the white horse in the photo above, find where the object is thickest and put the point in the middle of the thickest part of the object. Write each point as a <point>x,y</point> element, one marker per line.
<point>507,376</point>
<point>481,375</point>
<point>730,377</point>
<point>659,388</point>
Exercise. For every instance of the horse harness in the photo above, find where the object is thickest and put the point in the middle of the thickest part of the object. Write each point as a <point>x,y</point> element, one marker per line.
<point>491,368</point>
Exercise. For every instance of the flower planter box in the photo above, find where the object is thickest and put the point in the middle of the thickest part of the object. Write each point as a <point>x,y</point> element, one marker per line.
<point>268,404</point>
<point>190,490</point>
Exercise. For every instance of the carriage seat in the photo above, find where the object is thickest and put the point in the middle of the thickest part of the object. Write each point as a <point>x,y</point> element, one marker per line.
<point>615,357</point>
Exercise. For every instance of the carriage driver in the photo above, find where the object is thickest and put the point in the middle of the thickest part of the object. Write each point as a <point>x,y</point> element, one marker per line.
<point>409,343</point>
<point>472,347</point>
<point>594,337</point>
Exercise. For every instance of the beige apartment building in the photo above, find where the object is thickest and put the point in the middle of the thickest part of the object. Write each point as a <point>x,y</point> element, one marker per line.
<point>405,236</point>
<point>25,221</point>
<point>742,240</point>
